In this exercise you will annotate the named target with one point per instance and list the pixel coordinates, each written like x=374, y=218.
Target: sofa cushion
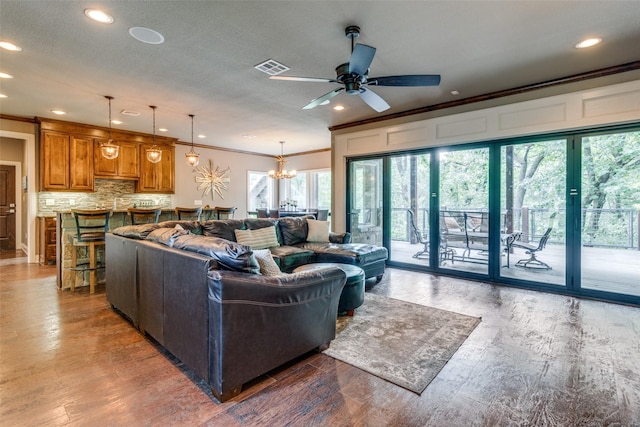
x=139, y=232
x=228, y=254
x=166, y=236
x=349, y=253
x=223, y=228
x=261, y=238
x=294, y=229
x=268, y=266
x=290, y=257
x=318, y=231
x=192, y=226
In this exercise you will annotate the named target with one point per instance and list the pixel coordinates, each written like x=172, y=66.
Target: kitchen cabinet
x=157, y=177
x=125, y=166
x=67, y=161
x=48, y=240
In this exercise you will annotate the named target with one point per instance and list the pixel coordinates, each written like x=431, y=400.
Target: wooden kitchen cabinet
x=157, y=177
x=48, y=240
x=125, y=166
x=67, y=161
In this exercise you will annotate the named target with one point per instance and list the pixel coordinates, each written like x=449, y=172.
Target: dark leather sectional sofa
x=202, y=298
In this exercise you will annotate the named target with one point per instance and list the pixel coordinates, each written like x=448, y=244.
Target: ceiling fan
x=354, y=76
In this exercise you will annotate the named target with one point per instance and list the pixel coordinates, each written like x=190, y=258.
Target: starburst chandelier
x=282, y=172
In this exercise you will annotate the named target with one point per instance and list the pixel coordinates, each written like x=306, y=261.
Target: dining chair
x=144, y=216
x=322, y=214
x=91, y=227
x=274, y=213
x=262, y=212
x=189, y=213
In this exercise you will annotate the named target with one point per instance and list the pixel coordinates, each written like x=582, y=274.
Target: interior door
x=7, y=207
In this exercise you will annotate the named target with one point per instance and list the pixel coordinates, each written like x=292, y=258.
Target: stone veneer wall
x=106, y=193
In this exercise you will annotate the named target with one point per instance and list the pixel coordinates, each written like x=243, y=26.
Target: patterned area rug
x=401, y=342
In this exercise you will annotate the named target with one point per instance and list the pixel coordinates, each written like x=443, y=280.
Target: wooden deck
x=603, y=269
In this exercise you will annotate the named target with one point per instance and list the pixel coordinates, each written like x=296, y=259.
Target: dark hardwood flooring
x=535, y=359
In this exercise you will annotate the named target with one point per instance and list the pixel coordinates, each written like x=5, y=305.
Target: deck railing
x=616, y=228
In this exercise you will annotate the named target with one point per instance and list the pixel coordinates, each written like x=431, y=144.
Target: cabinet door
x=129, y=160
x=148, y=181
x=166, y=171
x=54, y=160
x=81, y=163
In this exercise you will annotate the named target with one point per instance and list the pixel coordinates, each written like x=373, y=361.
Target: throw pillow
x=261, y=238
x=268, y=266
x=318, y=231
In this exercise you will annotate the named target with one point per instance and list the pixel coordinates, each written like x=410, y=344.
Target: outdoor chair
x=531, y=249
x=422, y=236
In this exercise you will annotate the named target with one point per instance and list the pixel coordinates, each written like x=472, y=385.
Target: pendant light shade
x=154, y=154
x=109, y=150
x=193, y=158
x=282, y=172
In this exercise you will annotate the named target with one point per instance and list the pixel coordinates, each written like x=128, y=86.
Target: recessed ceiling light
x=116, y=122
x=10, y=46
x=455, y=92
x=201, y=136
x=98, y=16
x=163, y=129
x=246, y=135
x=2, y=95
x=338, y=108
x=130, y=113
x=5, y=76
x=146, y=35
x=588, y=42
x=58, y=112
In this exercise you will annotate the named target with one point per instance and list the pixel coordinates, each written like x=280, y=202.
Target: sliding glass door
x=409, y=199
x=610, y=200
x=532, y=208
x=365, y=202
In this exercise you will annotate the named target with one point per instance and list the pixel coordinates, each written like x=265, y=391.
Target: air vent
x=129, y=113
x=271, y=67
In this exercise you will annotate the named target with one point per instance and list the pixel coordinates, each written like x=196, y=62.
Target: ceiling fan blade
x=373, y=100
x=303, y=79
x=408, y=80
x=361, y=58
x=323, y=98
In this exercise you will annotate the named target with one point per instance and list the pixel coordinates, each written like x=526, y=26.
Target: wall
x=613, y=104
x=240, y=164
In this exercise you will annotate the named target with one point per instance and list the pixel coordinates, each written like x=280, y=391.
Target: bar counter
x=66, y=231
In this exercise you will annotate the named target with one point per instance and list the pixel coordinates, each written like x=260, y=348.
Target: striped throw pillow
x=262, y=238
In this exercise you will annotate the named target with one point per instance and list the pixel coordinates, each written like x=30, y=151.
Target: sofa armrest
x=257, y=323
x=340, y=237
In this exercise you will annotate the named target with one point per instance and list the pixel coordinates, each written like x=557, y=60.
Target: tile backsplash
x=108, y=193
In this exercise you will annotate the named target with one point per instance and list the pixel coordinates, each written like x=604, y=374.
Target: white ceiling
x=205, y=66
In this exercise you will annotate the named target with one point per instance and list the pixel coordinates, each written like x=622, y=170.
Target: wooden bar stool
x=224, y=213
x=189, y=213
x=144, y=216
x=91, y=227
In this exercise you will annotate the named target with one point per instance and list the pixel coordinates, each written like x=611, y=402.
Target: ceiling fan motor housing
x=351, y=81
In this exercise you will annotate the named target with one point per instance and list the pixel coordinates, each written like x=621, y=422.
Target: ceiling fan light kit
x=354, y=77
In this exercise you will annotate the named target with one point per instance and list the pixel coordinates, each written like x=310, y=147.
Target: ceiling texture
x=206, y=64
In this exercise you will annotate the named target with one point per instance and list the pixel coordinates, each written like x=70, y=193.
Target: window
x=309, y=189
x=260, y=192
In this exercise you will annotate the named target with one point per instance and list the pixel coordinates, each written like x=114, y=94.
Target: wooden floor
x=535, y=359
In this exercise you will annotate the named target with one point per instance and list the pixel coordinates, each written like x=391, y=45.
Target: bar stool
x=189, y=213
x=144, y=216
x=224, y=213
x=91, y=227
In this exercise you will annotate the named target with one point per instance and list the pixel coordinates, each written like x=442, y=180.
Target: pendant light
x=193, y=158
x=154, y=154
x=281, y=172
x=109, y=150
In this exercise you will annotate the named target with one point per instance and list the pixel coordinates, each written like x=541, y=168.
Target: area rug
x=401, y=342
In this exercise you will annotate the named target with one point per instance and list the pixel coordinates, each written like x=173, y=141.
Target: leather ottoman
x=352, y=295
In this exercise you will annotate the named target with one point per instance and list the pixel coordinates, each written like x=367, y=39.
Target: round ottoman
x=352, y=295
